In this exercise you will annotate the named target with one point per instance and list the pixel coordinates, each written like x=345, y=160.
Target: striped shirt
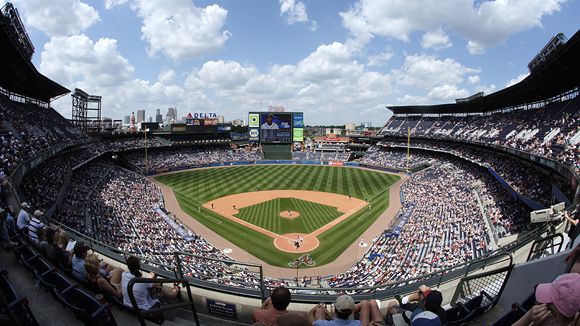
x=33, y=227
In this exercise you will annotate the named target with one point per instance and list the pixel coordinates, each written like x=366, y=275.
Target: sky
x=338, y=61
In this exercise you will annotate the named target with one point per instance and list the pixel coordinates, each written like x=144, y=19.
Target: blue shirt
x=78, y=269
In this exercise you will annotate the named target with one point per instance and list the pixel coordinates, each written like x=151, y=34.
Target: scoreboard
x=276, y=127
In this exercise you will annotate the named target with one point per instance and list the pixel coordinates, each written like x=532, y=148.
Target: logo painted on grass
x=304, y=259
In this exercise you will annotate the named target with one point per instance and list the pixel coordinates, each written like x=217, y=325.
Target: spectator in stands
x=574, y=228
x=110, y=286
x=78, y=262
x=344, y=311
x=273, y=307
x=63, y=257
x=142, y=291
x=34, y=227
x=23, y=218
x=426, y=299
x=48, y=245
x=558, y=302
x=4, y=230
x=291, y=319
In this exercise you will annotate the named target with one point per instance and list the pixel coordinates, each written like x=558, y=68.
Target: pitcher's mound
x=296, y=242
x=289, y=214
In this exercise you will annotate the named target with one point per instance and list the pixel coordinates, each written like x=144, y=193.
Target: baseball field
x=279, y=213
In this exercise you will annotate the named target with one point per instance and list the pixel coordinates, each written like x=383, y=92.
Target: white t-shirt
x=140, y=291
x=23, y=219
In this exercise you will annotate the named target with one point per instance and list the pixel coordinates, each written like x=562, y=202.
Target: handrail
x=545, y=244
x=377, y=291
x=140, y=313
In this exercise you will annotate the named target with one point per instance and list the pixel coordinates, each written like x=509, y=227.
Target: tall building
x=158, y=116
x=127, y=119
x=140, y=116
x=171, y=115
x=149, y=118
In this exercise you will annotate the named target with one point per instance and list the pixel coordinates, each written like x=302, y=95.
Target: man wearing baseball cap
x=23, y=218
x=344, y=308
x=559, y=302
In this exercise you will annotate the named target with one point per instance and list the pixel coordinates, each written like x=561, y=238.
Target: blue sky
x=338, y=61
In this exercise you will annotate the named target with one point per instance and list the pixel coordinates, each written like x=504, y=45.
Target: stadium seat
x=86, y=308
x=13, y=304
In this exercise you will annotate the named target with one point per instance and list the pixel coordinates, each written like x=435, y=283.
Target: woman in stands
x=101, y=284
x=142, y=291
x=557, y=303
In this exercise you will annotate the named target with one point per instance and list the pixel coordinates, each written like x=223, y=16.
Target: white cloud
x=482, y=25
x=326, y=81
x=378, y=59
x=225, y=75
x=473, y=79
x=426, y=72
x=58, y=17
x=166, y=75
x=295, y=12
x=329, y=61
x=109, y=4
x=98, y=68
x=436, y=40
x=516, y=80
x=179, y=29
x=447, y=92
x=67, y=59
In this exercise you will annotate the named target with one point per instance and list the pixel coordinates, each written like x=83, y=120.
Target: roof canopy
x=560, y=73
x=19, y=75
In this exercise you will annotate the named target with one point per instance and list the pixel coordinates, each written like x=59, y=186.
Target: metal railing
x=141, y=313
x=540, y=246
x=309, y=294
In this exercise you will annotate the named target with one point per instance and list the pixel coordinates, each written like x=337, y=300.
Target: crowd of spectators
x=28, y=129
x=42, y=185
x=525, y=178
x=171, y=158
x=122, y=209
x=394, y=158
x=552, y=131
x=444, y=229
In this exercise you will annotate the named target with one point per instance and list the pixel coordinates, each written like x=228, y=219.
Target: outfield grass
x=193, y=188
x=266, y=215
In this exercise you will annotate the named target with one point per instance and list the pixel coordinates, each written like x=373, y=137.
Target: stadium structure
x=477, y=198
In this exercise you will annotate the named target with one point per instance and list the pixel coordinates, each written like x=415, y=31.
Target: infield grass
x=266, y=215
x=195, y=187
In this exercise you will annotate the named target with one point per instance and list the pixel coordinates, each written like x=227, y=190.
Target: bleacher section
x=552, y=131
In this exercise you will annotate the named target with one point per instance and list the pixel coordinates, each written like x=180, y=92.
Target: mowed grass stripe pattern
x=207, y=184
x=195, y=187
x=266, y=215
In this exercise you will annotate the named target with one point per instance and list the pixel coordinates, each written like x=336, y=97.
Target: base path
x=228, y=206
x=343, y=262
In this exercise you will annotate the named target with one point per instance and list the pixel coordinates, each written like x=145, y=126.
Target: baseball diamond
x=244, y=204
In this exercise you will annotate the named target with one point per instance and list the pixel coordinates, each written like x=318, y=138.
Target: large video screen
x=275, y=128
